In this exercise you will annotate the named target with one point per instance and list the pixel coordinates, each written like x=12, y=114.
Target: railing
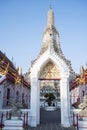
x=7, y=116
x=1, y=121
x=25, y=119
x=75, y=121
x=79, y=122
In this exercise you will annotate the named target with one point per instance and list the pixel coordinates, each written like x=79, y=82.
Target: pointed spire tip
x=50, y=16
x=50, y=6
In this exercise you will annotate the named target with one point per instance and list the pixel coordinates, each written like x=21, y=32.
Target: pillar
x=65, y=102
x=34, y=102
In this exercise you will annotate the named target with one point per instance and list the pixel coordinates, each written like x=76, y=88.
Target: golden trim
x=18, y=80
x=81, y=80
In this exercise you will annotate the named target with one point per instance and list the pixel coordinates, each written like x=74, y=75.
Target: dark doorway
x=50, y=116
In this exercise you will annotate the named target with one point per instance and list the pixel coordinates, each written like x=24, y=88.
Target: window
x=8, y=96
x=23, y=101
x=83, y=93
x=17, y=93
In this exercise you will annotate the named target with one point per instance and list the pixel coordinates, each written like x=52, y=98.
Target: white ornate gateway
x=50, y=64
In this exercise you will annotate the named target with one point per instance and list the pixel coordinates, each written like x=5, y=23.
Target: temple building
x=12, y=84
x=78, y=88
x=50, y=72
x=50, y=75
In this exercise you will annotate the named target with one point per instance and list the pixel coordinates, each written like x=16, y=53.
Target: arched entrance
x=36, y=72
x=49, y=78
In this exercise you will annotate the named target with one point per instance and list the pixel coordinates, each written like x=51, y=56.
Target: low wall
x=80, y=122
x=50, y=108
x=24, y=111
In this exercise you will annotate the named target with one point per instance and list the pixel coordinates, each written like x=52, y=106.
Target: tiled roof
x=9, y=71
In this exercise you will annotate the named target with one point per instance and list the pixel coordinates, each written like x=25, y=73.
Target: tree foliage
x=49, y=98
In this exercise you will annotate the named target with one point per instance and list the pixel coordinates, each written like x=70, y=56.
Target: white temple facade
x=50, y=64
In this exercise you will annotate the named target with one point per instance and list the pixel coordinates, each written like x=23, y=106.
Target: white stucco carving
x=50, y=52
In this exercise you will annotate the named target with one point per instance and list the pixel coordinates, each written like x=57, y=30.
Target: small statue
x=16, y=108
x=83, y=107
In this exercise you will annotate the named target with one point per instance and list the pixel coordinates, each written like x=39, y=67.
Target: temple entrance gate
x=36, y=73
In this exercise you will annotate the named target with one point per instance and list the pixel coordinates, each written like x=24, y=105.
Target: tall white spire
x=51, y=42
x=50, y=17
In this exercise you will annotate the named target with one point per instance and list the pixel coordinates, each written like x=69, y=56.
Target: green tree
x=49, y=98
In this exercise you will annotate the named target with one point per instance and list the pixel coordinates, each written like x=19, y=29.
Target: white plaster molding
x=64, y=87
x=49, y=55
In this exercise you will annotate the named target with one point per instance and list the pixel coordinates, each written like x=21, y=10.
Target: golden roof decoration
x=81, y=80
x=8, y=69
x=18, y=80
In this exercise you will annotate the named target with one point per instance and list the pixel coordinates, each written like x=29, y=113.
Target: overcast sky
x=22, y=24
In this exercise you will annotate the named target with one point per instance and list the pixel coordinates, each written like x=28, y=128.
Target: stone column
x=65, y=102
x=1, y=96
x=34, y=102
x=38, y=102
x=0, y=100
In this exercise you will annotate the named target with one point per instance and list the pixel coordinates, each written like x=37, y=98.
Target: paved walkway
x=50, y=121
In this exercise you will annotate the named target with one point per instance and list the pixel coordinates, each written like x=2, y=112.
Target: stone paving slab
x=50, y=126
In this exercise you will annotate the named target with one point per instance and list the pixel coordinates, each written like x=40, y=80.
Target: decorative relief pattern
x=15, y=90
x=50, y=71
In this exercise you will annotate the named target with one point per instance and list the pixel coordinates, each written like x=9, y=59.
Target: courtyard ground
x=50, y=120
